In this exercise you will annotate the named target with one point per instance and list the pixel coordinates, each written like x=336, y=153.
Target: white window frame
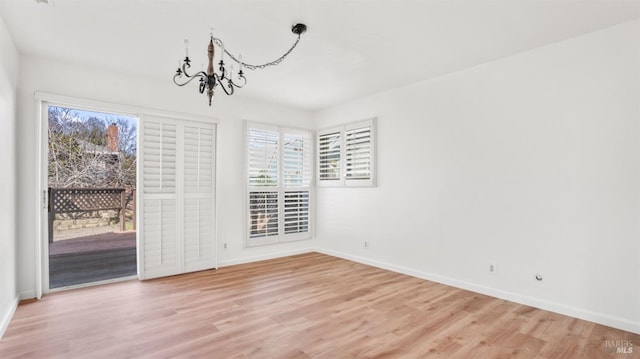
x=280, y=188
x=343, y=181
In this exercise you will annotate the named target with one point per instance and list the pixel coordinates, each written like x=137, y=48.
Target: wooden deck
x=92, y=258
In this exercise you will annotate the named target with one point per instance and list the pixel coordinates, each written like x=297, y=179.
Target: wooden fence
x=79, y=200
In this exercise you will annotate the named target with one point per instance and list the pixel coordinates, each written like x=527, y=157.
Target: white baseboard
x=7, y=314
x=611, y=321
x=29, y=294
x=234, y=261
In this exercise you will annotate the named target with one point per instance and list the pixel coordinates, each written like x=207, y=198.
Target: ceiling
x=352, y=47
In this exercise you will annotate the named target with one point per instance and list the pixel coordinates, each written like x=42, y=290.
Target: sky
x=108, y=116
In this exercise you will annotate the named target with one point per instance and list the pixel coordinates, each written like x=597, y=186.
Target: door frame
x=42, y=248
x=43, y=100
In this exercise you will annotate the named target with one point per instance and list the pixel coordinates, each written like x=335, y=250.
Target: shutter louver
x=329, y=151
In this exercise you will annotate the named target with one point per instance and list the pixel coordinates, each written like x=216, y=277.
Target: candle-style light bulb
x=240, y=62
x=230, y=71
x=186, y=48
x=221, y=51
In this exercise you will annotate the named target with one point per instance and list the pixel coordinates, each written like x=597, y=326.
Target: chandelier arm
x=198, y=75
x=231, y=88
x=187, y=65
x=239, y=86
x=254, y=67
x=222, y=85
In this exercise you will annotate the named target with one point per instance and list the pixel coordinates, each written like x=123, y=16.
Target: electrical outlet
x=366, y=244
x=492, y=268
x=225, y=246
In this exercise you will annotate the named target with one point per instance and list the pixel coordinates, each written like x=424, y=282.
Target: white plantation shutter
x=279, y=173
x=159, y=157
x=346, y=155
x=198, y=197
x=329, y=156
x=178, y=197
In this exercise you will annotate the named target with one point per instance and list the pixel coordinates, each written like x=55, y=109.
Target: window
x=346, y=155
x=278, y=184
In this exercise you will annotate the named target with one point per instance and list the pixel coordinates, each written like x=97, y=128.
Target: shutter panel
x=199, y=217
x=160, y=237
x=358, y=152
x=329, y=156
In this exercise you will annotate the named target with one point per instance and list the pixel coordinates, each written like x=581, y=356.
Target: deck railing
x=82, y=200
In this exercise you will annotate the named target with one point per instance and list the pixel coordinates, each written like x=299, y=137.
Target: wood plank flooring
x=305, y=306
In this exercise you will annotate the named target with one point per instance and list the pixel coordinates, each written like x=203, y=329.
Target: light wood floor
x=310, y=305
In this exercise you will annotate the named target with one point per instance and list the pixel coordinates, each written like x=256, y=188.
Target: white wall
x=48, y=76
x=531, y=162
x=8, y=183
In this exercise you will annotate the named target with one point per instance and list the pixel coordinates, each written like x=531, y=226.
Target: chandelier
x=209, y=80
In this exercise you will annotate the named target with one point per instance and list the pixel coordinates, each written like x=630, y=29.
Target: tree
x=78, y=156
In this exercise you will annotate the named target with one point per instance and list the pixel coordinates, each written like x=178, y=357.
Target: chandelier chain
x=253, y=67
